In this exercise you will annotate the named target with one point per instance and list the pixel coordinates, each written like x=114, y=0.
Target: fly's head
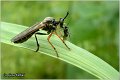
x=63, y=27
x=61, y=21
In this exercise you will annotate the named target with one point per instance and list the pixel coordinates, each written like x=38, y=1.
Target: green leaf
x=76, y=56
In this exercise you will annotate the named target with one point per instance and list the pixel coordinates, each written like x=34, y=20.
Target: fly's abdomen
x=21, y=39
x=25, y=35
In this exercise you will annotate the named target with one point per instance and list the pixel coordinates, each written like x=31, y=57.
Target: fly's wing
x=26, y=34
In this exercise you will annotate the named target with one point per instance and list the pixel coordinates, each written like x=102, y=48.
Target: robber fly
x=49, y=24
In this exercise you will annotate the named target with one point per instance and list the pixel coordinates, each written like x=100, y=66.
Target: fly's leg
x=51, y=43
x=62, y=41
x=37, y=43
x=37, y=39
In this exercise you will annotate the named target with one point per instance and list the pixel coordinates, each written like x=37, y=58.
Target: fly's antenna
x=66, y=16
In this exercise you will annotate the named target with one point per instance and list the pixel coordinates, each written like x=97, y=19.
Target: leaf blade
x=76, y=56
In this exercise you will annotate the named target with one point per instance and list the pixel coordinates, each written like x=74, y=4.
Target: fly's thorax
x=49, y=27
x=48, y=20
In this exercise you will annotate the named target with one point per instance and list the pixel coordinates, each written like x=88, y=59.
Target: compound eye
x=61, y=19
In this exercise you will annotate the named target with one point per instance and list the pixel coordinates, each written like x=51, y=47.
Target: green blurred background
x=93, y=26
